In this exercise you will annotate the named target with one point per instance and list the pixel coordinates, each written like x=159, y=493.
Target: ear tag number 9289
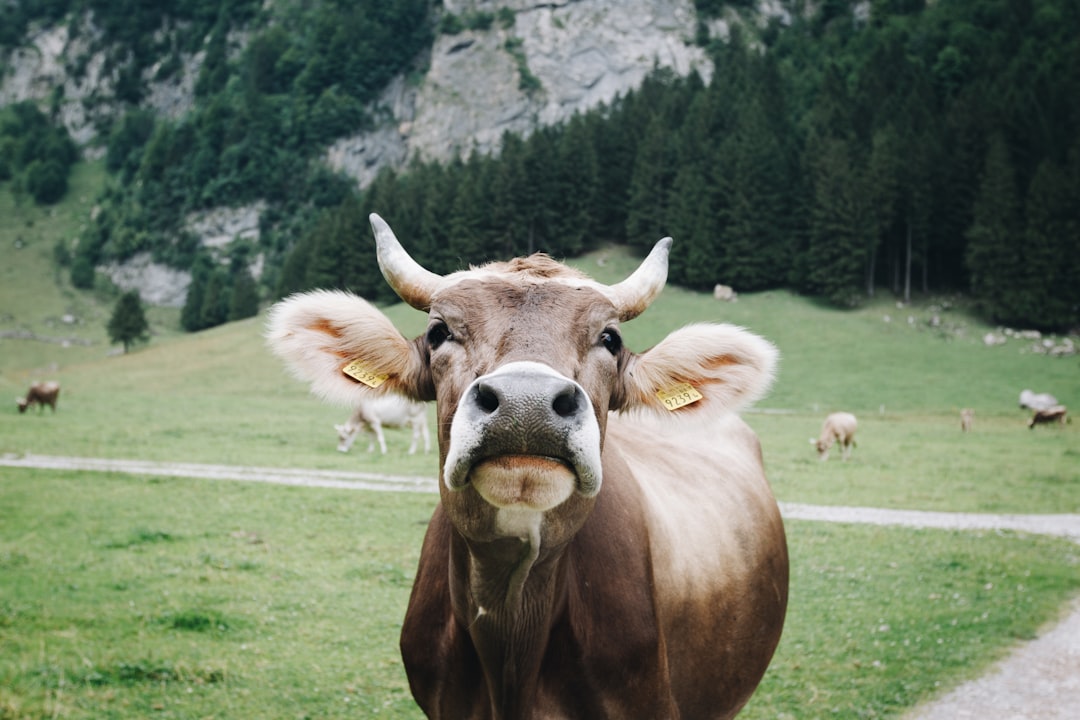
x=679, y=396
x=360, y=372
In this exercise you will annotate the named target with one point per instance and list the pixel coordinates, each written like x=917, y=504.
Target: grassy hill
x=219, y=396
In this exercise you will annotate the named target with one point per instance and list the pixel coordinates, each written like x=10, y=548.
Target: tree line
x=916, y=149
x=894, y=145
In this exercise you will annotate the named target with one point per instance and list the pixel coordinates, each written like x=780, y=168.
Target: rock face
x=557, y=58
x=554, y=59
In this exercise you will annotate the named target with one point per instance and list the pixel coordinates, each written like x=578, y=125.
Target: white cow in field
x=391, y=411
x=1037, y=401
x=838, y=427
x=967, y=419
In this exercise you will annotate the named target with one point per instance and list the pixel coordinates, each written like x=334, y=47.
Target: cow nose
x=528, y=410
x=509, y=393
x=525, y=408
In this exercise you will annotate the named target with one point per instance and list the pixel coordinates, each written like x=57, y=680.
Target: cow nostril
x=487, y=399
x=566, y=403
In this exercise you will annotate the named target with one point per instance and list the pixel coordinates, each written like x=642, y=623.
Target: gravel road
x=1040, y=679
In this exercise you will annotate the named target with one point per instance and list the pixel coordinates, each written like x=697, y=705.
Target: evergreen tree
x=243, y=293
x=576, y=183
x=215, y=305
x=128, y=322
x=650, y=183
x=1047, y=284
x=191, y=317
x=993, y=255
x=756, y=248
x=839, y=223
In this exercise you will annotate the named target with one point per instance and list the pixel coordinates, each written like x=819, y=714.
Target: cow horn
x=411, y=281
x=635, y=293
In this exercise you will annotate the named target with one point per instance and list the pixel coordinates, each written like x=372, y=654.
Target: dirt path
x=1040, y=679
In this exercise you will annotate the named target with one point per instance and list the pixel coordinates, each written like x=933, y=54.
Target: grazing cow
x=42, y=393
x=838, y=427
x=967, y=419
x=1049, y=415
x=606, y=544
x=1037, y=401
x=372, y=414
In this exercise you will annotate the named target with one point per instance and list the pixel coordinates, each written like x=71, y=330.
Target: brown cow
x=606, y=545
x=838, y=427
x=1055, y=414
x=42, y=393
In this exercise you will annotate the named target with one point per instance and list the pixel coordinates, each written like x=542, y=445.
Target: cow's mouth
x=536, y=482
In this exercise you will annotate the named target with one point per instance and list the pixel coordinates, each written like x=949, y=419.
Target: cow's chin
x=528, y=482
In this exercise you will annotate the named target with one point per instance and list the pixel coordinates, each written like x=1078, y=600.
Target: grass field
x=130, y=597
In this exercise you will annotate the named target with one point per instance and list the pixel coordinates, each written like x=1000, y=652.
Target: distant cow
x=967, y=418
x=1047, y=416
x=42, y=393
x=838, y=427
x=389, y=410
x=1037, y=401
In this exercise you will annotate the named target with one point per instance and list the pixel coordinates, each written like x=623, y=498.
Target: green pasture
x=131, y=597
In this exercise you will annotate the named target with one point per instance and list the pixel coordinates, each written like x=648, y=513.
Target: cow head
x=346, y=434
x=525, y=359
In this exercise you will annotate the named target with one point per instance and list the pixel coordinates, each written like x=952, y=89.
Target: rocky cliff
x=538, y=63
x=554, y=59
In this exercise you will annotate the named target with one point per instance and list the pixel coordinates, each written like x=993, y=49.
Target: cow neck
x=512, y=597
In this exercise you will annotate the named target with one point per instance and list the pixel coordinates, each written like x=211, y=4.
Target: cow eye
x=438, y=333
x=611, y=339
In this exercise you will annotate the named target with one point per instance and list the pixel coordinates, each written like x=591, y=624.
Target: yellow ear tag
x=357, y=370
x=679, y=396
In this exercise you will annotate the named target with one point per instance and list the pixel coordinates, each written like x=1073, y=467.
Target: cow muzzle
x=525, y=436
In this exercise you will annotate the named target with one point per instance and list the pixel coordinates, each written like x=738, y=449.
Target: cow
x=838, y=427
x=606, y=543
x=41, y=393
x=1037, y=401
x=967, y=419
x=372, y=414
x=1053, y=414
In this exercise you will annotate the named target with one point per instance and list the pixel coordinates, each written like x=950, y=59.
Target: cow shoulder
x=319, y=334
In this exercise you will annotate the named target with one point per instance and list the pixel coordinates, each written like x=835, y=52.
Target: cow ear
x=345, y=348
x=699, y=371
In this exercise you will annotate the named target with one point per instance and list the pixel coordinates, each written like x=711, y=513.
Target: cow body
x=372, y=414
x=42, y=394
x=1055, y=414
x=1037, y=401
x=606, y=545
x=967, y=419
x=839, y=427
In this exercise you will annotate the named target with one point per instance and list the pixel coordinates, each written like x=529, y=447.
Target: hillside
x=219, y=395
x=841, y=152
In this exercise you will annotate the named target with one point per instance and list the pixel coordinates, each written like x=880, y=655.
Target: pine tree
x=128, y=322
x=191, y=318
x=993, y=254
x=576, y=184
x=1046, y=286
x=244, y=296
x=650, y=183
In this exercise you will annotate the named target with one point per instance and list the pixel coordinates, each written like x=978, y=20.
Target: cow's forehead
x=494, y=298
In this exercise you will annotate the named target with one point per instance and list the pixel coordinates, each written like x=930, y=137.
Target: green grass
x=128, y=597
